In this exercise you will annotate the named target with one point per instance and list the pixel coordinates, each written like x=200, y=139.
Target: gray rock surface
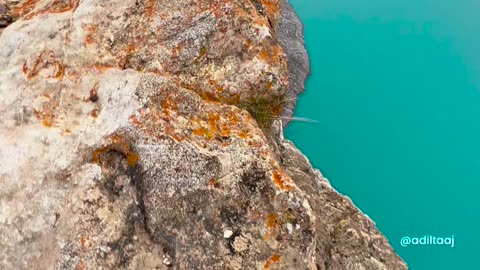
x=125, y=145
x=290, y=36
x=5, y=17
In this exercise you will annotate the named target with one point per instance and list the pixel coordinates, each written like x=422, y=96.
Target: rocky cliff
x=147, y=134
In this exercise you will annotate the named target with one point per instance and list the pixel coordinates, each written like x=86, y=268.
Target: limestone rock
x=5, y=15
x=128, y=142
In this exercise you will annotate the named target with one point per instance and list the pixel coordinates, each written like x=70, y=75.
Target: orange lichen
x=175, y=134
x=47, y=119
x=213, y=183
x=272, y=221
x=72, y=73
x=200, y=131
x=264, y=154
x=249, y=43
x=168, y=105
x=25, y=68
x=134, y=120
x=150, y=8
x=176, y=51
x=118, y=144
x=23, y=9
x=60, y=71
x=269, y=85
x=232, y=118
x=282, y=180
x=273, y=259
x=56, y=6
x=276, y=54
x=131, y=48
x=102, y=66
x=234, y=100
x=82, y=241
x=256, y=144
x=90, y=37
x=242, y=135
x=132, y=159
x=225, y=132
x=187, y=86
x=81, y=265
x=216, y=8
x=94, y=113
x=217, y=87
x=271, y=9
x=125, y=55
x=30, y=73
x=209, y=96
x=264, y=55
x=271, y=53
x=60, y=6
x=212, y=121
x=97, y=152
x=45, y=60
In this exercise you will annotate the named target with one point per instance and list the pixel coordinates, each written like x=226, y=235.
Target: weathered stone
x=124, y=145
x=5, y=17
x=290, y=36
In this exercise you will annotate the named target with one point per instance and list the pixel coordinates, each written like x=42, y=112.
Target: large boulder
x=147, y=134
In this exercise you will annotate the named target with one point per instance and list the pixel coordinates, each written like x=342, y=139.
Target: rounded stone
x=227, y=234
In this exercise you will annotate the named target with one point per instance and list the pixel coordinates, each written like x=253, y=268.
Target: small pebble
x=289, y=228
x=227, y=234
x=167, y=261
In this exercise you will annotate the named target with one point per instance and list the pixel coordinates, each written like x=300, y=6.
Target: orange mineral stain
x=273, y=259
x=150, y=8
x=119, y=145
x=82, y=241
x=132, y=159
x=281, y=180
x=25, y=8
x=264, y=55
x=272, y=221
x=90, y=37
x=81, y=265
x=200, y=131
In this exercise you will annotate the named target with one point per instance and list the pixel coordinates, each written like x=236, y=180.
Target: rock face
x=290, y=36
x=5, y=16
x=146, y=134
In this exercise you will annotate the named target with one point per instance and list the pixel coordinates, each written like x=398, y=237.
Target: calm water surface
x=395, y=86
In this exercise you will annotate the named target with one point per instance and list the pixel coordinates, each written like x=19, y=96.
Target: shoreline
x=290, y=35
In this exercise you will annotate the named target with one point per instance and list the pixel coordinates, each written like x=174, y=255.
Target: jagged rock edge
x=291, y=38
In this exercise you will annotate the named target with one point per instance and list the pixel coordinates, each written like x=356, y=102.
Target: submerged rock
x=147, y=135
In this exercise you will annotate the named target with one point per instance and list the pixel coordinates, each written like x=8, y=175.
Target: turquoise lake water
x=395, y=86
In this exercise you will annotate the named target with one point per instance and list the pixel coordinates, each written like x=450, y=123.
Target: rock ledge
x=145, y=134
